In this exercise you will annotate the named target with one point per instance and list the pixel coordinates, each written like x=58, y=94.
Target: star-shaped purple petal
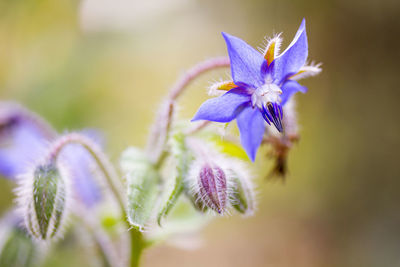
x=294, y=57
x=252, y=127
x=245, y=62
x=289, y=88
x=224, y=108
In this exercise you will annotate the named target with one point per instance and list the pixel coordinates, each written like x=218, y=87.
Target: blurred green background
x=107, y=64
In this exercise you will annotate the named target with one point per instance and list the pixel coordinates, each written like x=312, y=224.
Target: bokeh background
x=107, y=64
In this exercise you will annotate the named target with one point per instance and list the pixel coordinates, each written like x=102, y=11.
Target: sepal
x=142, y=183
x=183, y=158
x=242, y=197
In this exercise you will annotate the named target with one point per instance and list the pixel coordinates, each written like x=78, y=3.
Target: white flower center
x=269, y=92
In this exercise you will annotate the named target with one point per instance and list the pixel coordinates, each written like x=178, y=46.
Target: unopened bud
x=43, y=200
x=195, y=198
x=218, y=182
x=212, y=184
x=242, y=193
x=209, y=186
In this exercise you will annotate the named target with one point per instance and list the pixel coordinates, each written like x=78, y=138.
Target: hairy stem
x=162, y=126
x=197, y=127
x=100, y=158
x=209, y=64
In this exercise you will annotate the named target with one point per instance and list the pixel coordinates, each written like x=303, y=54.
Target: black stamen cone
x=272, y=113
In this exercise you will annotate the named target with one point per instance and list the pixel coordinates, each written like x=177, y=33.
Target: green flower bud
x=43, y=199
x=242, y=193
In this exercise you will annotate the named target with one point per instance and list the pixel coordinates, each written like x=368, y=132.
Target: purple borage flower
x=262, y=84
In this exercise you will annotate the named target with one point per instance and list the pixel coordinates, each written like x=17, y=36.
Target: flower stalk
x=104, y=164
x=161, y=128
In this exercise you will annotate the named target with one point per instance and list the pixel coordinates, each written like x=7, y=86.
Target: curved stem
x=101, y=160
x=197, y=127
x=161, y=128
x=209, y=64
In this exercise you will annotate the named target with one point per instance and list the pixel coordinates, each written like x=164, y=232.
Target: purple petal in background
x=83, y=170
x=252, y=127
x=21, y=145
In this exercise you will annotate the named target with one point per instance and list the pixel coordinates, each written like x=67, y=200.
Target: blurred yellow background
x=107, y=64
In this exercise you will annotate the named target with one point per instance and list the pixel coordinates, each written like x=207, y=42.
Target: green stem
x=137, y=246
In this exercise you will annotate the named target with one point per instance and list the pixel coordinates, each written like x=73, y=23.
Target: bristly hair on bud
x=43, y=199
x=219, y=183
x=213, y=188
x=208, y=185
x=242, y=196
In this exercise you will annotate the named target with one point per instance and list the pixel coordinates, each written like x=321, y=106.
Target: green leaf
x=175, y=187
x=142, y=180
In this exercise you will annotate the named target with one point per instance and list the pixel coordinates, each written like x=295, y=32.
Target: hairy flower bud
x=241, y=192
x=43, y=199
x=218, y=182
x=208, y=186
x=212, y=184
